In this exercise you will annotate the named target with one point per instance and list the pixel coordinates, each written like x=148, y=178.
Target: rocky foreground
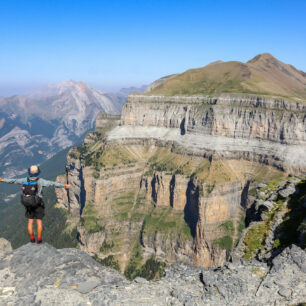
x=43, y=275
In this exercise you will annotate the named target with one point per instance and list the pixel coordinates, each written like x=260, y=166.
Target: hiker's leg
x=30, y=226
x=39, y=228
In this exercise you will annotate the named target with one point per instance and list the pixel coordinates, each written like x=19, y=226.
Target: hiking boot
x=32, y=239
x=39, y=241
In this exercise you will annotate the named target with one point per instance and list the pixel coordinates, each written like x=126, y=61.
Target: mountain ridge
x=34, y=128
x=262, y=75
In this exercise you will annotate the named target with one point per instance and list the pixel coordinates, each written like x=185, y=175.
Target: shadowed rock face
x=41, y=274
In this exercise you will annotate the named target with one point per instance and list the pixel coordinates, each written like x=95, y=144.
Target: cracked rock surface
x=43, y=275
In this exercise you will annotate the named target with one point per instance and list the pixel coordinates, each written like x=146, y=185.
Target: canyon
x=171, y=177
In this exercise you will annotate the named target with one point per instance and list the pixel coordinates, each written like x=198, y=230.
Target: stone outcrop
x=276, y=217
x=5, y=247
x=41, y=274
x=245, y=126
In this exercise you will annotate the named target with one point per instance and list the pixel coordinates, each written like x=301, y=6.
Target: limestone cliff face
x=173, y=216
x=242, y=126
x=172, y=179
x=204, y=211
x=235, y=116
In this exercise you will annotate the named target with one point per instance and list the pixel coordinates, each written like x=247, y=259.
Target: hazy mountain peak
x=58, y=89
x=52, y=118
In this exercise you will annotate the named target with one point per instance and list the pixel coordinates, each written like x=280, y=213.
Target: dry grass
x=262, y=76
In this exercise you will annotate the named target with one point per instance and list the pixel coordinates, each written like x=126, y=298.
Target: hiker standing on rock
x=31, y=198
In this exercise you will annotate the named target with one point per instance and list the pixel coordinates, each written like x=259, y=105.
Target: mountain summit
x=62, y=88
x=48, y=120
x=262, y=75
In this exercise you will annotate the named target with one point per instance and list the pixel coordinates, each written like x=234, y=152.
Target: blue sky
x=114, y=44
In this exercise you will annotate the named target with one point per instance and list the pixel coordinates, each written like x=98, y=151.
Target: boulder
x=286, y=192
x=5, y=246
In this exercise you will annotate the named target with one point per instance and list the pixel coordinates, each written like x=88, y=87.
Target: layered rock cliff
x=172, y=179
x=171, y=201
x=246, y=127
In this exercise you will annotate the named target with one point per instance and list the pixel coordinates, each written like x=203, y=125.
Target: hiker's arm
x=46, y=183
x=18, y=181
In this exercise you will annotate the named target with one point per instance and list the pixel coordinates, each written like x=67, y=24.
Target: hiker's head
x=34, y=171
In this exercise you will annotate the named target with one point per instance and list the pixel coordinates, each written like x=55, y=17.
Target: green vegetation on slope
x=90, y=219
x=255, y=237
x=151, y=269
x=166, y=221
x=293, y=228
x=226, y=242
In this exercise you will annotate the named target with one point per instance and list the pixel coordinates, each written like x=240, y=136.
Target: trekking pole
x=67, y=182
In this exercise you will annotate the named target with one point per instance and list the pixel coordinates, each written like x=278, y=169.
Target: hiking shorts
x=37, y=212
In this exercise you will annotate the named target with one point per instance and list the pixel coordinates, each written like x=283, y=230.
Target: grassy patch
x=254, y=239
x=127, y=197
x=293, y=228
x=137, y=216
x=132, y=269
x=90, y=219
x=214, y=172
x=241, y=227
x=117, y=155
x=164, y=160
x=253, y=192
x=165, y=220
x=272, y=185
x=228, y=226
x=74, y=153
x=121, y=216
x=225, y=242
x=106, y=246
x=152, y=269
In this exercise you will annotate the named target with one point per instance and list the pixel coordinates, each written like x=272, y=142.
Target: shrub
x=109, y=261
x=225, y=242
x=152, y=269
x=106, y=246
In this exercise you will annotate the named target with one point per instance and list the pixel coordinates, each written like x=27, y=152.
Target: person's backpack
x=29, y=196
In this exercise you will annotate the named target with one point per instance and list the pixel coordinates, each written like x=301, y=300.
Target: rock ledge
x=41, y=274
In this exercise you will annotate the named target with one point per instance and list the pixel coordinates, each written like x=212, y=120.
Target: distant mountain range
x=262, y=75
x=35, y=127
